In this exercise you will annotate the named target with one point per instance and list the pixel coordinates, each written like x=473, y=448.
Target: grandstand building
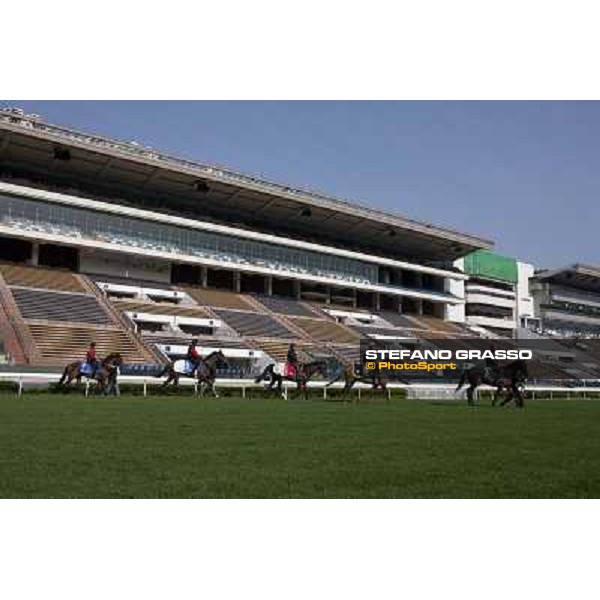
x=140, y=251
x=567, y=300
x=497, y=295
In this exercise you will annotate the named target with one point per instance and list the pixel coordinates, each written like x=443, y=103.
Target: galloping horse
x=510, y=377
x=205, y=372
x=304, y=372
x=104, y=372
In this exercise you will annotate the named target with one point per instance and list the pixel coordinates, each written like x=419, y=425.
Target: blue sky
x=525, y=174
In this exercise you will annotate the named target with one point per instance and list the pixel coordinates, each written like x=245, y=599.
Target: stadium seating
x=254, y=324
x=218, y=298
x=41, y=278
x=59, y=306
x=60, y=344
x=159, y=308
x=287, y=306
x=326, y=331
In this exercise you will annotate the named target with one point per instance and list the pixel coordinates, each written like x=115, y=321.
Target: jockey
x=491, y=365
x=193, y=355
x=292, y=361
x=91, y=359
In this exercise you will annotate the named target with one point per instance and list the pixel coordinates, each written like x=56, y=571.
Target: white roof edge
x=140, y=154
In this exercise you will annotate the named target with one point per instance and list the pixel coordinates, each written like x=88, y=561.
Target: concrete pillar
x=35, y=254
x=297, y=289
x=376, y=301
x=269, y=285
x=419, y=306
x=203, y=276
x=237, y=282
x=354, y=298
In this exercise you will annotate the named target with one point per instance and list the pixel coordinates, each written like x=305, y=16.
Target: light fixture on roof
x=63, y=154
x=201, y=186
x=306, y=212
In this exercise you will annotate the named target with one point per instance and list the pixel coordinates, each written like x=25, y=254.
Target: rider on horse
x=291, y=367
x=91, y=359
x=193, y=355
x=491, y=368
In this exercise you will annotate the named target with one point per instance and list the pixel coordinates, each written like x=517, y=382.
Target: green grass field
x=179, y=447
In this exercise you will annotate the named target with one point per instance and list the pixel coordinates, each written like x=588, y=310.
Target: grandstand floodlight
x=62, y=154
x=201, y=186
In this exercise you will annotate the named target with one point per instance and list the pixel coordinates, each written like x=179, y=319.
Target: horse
x=105, y=371
x=511, y=377
x=304, y=372
x=350, y=376
x=204, y=373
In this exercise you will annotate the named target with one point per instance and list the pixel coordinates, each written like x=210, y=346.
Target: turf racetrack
x=68, y=446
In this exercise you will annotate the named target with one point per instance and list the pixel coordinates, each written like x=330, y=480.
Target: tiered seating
x=436, y=324
x=326, y=331
x=399, y=320
x=286, y=306
x=254, y=324
x=348, y=354
x=60, y=344
x=409, y=333
x=58, y=306
x=218, y=298
x=37, y=277
x=159, y=308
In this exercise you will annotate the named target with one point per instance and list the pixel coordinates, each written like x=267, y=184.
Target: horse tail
x=461, y=382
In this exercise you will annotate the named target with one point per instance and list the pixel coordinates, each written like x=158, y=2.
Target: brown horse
x=103, y=373
x=350, y=376
x=304, y=372
x=204, y=374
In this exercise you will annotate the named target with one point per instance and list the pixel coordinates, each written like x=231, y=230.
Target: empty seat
x=58, y=306
x=38, y=277
x=326, y=331
x=61, y=344
x=254, y=324
x=286, y=306
x=218, y=298
x=124, y=305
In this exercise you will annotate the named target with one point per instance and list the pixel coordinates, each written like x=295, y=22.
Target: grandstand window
x=33, y=215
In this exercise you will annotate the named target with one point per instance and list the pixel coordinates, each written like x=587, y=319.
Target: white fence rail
x=418, y=391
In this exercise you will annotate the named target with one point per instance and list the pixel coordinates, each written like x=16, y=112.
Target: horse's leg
x=519, y=400
x=470, y=391
x=213, y=388
x=499, y=390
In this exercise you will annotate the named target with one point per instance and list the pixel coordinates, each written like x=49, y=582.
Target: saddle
x=85, y=369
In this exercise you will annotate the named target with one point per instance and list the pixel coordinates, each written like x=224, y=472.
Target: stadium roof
x=577, y=275
x=31, y=146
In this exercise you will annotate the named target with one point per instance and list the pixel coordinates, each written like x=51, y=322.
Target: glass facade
x=38, y=216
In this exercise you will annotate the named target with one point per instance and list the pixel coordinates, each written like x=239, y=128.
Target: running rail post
x=87, y=388
x=20, y=389
x=145, y=388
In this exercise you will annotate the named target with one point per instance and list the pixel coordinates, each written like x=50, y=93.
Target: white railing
x=416, y=391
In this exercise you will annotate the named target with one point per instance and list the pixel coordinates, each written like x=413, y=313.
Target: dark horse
x=304, y=372
x=204, y=374
x=106, y=370
x=510, y=377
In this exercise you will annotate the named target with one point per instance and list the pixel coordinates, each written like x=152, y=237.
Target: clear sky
x=524, y=174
